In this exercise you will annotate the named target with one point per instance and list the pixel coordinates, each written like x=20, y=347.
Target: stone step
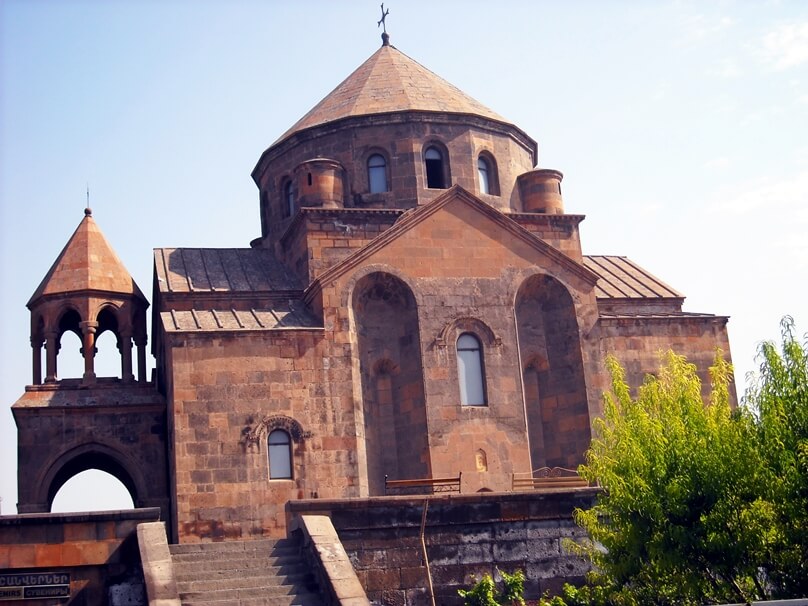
x=224, y=546
x=274, y=595
x=214, y=581
x=204, y=569
x=224, y=555
x=303, y=600
x=190, y=560
x=243, y=573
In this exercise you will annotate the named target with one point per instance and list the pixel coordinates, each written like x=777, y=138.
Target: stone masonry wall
x=466, y=536
x=638, y=342
x=230, y=386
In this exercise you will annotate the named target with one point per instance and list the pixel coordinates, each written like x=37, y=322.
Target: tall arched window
x=377, y=174
x=279, y=451
x=435, y=172
x=288, y=199
x=484, y=172
x=487, y=174
x=470, y=370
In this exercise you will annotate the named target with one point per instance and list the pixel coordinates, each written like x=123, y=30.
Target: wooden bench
x=548, y=478
x=423, y=485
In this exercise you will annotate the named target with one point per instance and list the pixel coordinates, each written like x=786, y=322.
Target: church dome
x=389, y=82
x=395, y=135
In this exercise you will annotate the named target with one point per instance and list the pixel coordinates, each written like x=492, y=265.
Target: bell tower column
x=88, y=330
x=140, y=341
x=36, y=346
x=126, y=357
x=51, y=351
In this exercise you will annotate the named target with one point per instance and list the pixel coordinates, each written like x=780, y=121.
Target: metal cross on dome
x=382, y=20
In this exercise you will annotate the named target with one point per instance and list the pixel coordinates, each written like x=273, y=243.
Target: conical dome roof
x=87, y=263
x=390, y=81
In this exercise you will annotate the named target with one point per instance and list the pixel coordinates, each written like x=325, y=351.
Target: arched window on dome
x=279, y=452
x=377, y=174
x=288, y=199
x=435, y=165
x=470, y=370
x=487, y=174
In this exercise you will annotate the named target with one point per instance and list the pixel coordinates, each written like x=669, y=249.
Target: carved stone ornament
x=467, y=324
x=256, y=431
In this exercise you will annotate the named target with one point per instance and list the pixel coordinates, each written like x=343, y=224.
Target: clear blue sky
x=681, y=128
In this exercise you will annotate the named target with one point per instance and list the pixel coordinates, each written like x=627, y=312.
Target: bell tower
x=66, y=425
x=88, y=291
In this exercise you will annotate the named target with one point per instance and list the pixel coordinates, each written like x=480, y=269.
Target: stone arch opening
x=393, y=397
x=69, y=351
x=91, y=456
x=108, y=342
x=553, y=374
x=105, y=491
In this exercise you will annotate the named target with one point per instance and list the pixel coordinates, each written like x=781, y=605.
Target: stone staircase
x=244, y=573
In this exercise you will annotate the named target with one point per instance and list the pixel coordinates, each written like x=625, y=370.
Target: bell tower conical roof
x=390, y=81
x=87, y=263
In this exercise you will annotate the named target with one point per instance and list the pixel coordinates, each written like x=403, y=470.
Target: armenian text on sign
x=33, y=586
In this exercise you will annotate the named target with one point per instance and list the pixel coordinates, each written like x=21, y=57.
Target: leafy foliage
x=484, y=591
x=482, y=594
x=779, y=400
x=513, y=588
x=701, y=503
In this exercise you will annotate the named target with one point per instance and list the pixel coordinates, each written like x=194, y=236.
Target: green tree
x=672, y=524
x=700, y=503
x=779, y=400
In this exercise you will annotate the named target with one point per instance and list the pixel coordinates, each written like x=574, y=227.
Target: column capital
x=88, y=327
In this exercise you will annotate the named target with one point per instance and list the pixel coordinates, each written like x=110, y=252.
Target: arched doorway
x=553, y=373
x=394, y=404
x=92, y=490
x=98, y=460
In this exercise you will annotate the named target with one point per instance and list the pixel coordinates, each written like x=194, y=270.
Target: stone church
x=417, y=306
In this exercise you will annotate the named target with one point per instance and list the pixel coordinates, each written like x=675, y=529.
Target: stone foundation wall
x=466, y=536
x=98, y=550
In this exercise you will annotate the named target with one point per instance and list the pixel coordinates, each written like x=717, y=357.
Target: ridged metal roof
x=182, y=270
x=621, y=278
x=208, y=320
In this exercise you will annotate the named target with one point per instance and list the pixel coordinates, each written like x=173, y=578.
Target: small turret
x=320, y=183
x=540, y=191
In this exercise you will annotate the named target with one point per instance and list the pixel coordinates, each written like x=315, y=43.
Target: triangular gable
x=414, y=217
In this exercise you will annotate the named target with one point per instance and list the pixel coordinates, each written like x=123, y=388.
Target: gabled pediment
x=450, y=226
